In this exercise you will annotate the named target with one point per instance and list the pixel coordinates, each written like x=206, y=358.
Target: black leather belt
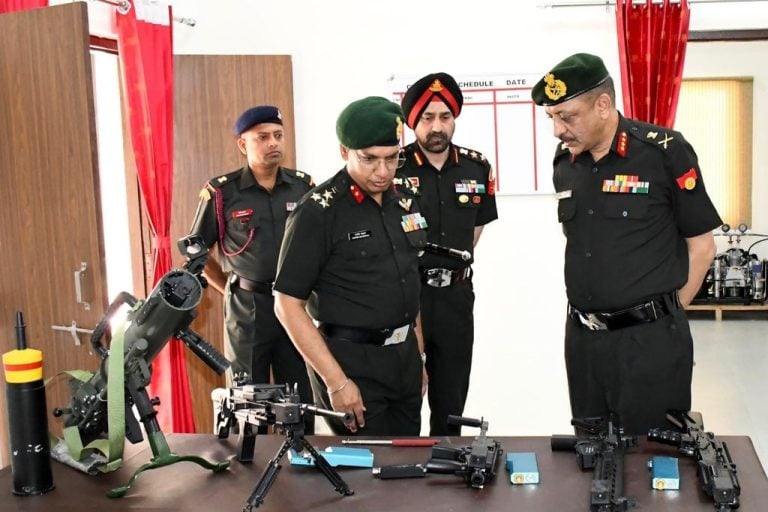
x=643, y=313
x=359, y=335
x=251, y=286
x=443, y=277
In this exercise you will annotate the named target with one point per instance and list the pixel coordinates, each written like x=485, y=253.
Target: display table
x=188, y=487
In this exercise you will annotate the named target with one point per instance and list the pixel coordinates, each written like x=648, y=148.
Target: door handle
x=72, y=329
x=79, y=274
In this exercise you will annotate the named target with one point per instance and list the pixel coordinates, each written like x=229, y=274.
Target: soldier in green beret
x=349, y=261
x=638, y=224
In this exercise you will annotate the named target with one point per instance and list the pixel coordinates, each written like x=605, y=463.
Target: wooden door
x=211, y=91
x=49, y=235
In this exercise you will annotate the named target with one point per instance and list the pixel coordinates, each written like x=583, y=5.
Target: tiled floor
x=730, y=380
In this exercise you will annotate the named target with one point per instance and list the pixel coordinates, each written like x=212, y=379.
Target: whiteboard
x=499, y=120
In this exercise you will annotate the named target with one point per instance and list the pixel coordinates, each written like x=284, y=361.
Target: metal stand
x=161, y=453
x=273, y=468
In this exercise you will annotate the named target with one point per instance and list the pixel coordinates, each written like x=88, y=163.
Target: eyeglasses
x=371, y=163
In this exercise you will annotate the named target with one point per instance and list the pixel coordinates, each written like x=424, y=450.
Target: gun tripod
x=273, y=468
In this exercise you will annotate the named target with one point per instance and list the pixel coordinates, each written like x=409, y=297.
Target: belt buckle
x=438, y=277
x=398, y=335
x=591, y=322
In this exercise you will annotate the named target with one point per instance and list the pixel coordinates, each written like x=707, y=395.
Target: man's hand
x=348, y=398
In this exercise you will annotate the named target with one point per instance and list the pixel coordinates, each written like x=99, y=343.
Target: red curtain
x=652, y=40
x=146, y=57
x=21, y=5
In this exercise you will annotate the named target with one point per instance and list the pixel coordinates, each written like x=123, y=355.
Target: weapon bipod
x=273, y=468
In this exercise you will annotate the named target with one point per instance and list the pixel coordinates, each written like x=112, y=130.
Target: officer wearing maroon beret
x=244, y=214
x=455, y=187
x=349, y=261
x=638, y=224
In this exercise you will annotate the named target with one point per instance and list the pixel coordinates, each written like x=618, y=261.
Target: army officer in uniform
x=456, y=193
x=350, y=256
x=244, y=212
x=638, y=224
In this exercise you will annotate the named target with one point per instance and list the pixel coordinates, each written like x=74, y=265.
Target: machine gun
x=135, y=342
x=603, y=452
x=716, y=469
x=476, y=463
x=256, y=407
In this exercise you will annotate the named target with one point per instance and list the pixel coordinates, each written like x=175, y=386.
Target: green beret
x=371, y=121
x=575, y=75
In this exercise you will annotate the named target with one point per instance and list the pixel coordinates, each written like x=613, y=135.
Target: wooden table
x=188, y=487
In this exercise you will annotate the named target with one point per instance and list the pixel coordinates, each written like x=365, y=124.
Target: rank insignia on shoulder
x=300, y=174
x=652, y=135
x=289, y=207
x=665, y=141
x=688, y=180
x=413, y=222
x=474, y=155
x=323, y=198
x=205, y=194
x=221, y=179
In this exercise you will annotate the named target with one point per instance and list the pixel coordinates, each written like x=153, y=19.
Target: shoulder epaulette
x=306, y=178
x=217, y=182
x=657, y=136
x=325, y=193
x=471, y=154
x=406, y=184
x=561, y=150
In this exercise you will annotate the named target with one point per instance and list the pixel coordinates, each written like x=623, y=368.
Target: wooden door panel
x=50, y=192
x=210, y=92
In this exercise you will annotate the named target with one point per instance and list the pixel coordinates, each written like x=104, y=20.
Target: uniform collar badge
x=621, y=144
x=356, y=193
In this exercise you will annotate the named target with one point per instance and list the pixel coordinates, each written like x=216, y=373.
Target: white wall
x=344, y=50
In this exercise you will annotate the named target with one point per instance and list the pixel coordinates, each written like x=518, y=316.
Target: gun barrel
x=346, y=417
x=461, y=420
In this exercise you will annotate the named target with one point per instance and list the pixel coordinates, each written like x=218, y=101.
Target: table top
x=189, y=487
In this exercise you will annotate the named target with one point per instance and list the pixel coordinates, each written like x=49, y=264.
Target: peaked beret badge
x=555, y=89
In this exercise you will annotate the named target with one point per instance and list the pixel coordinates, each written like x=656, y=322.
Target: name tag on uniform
x=359, y=235
x=289, y=207
x=413, y=222
x=565, y=194
x=239, y=214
